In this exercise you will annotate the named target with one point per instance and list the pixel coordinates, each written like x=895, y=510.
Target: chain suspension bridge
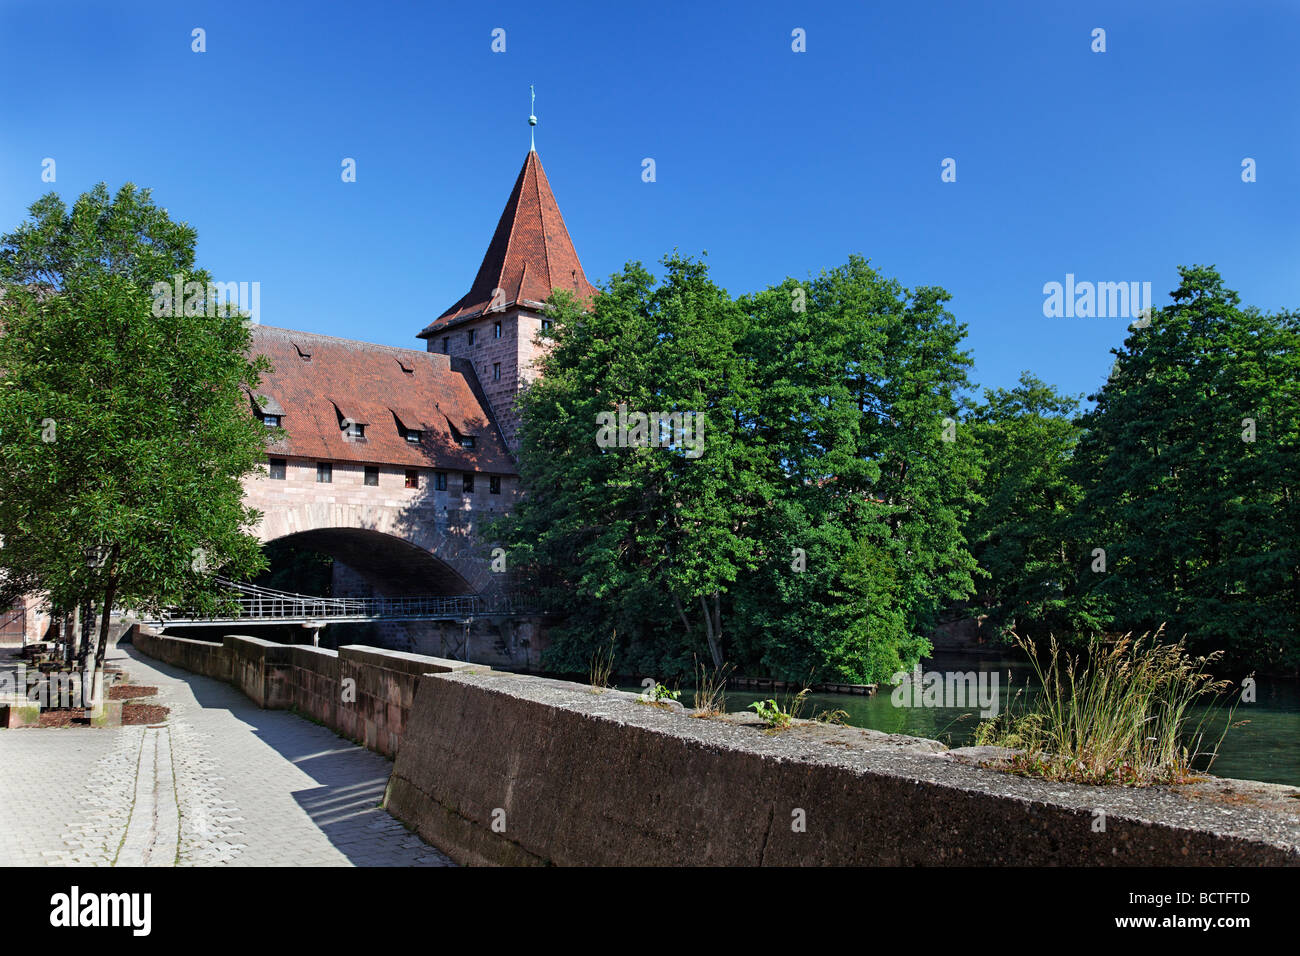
x=253, y=604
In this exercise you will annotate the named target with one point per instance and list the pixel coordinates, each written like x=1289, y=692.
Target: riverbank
x=1262, y=745
x=508, y=768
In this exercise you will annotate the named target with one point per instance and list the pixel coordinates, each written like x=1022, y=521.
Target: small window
x=472, y=333
x=354, y=431
x=271, y=421
x=467, y=484
x=546, y=324
x=496, y=371
x=446, y=345
x=439, y=481
x=413, y=435
x=494, y=485
x=467, y=441
x=496, y=330
x=278, y=469
x=412, y=478
x=372, y=475
x=324, y=473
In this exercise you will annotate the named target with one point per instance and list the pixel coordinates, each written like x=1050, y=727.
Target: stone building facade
x=399, y=512
x=390, y=460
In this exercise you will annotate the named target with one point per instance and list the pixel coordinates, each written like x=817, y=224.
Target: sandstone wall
x=365, y=693
x=497, y=768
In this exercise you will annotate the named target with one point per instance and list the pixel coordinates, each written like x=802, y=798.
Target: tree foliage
x=820, y=530
x=1021, y=535
x=1190, y=466
x=123, y=433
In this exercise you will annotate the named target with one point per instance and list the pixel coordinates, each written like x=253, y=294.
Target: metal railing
x=256, y=603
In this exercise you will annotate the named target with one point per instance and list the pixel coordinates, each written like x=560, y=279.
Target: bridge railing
x=267, y=604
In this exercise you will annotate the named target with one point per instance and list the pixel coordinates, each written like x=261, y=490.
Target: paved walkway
x=219, y=783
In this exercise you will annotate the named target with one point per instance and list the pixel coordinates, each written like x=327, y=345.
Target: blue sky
x=1114, y=166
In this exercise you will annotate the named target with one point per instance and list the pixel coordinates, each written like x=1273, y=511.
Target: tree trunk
x=85, y=640
x=717, y=621
x=68, y=624
x=686, y=624
x=95, y=659
x=714, y=650
x=110, y=594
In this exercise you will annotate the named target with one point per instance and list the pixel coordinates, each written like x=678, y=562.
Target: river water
x=1263, y=744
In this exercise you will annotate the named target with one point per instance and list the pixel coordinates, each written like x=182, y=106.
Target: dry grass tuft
x=1124, y=717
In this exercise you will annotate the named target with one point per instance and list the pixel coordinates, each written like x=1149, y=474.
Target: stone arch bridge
x=392, y=551
x=394, y=547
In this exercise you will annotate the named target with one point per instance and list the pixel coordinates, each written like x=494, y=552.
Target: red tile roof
x=530, y=254
x=367, y=383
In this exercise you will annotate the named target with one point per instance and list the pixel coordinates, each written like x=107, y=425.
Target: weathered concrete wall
x=509, y=769
x=577, y=778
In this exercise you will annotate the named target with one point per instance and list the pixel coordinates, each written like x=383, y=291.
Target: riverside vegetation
x=1124, y=714
x=852, y=488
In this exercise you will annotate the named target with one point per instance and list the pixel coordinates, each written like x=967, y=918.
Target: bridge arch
x=398, y=553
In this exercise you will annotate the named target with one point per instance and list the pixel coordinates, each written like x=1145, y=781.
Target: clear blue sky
x=1116, y=166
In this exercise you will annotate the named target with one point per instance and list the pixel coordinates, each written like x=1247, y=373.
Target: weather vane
x=532, y=120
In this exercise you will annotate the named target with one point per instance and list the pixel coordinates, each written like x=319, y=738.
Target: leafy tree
x=824, y=517
x=856, y=376
x=929, y=467
x=1191, y=468
x=124, y=427
x=642, y=541
x=1021, y=535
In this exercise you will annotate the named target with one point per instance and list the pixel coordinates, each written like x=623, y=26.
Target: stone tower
x=495, y=324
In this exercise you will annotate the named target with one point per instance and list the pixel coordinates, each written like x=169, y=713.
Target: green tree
x=1191, y=468
x=642, y=541
x=820, y=531
x=1021, y=535
x=855, y=378
x=124, y=424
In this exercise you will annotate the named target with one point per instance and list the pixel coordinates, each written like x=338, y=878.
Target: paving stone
x=224, y=783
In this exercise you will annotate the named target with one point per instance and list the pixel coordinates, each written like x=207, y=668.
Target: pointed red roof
x=530, y=254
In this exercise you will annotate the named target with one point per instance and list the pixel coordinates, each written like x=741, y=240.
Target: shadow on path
x=343, y=807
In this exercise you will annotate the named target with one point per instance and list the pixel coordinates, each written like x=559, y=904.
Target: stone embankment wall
x=364, y=693
x=498, y=768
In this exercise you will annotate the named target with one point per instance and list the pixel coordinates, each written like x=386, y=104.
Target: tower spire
x=532, y=121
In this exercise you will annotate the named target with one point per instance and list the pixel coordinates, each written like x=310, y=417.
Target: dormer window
x=351, y=425
x=267, y=410
x=467, y=441
x=413, y=435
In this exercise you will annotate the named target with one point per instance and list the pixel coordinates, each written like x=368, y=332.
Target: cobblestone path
x=220, y=782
